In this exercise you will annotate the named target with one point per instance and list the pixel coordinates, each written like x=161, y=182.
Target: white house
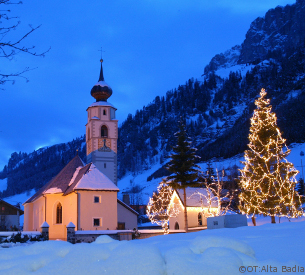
x=197, y=205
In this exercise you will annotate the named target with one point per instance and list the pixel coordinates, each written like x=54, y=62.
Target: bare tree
x=11, y=47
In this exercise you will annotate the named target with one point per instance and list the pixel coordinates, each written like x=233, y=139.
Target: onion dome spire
x=101, y=91
x=101, y=72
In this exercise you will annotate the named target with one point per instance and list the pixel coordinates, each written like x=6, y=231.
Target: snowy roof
x=101, y=103
x=196, y=197
x=102, y=84
x=21, y=212
x=52, y=190
x=76, y=176
x=61, y=181
x=93, y=179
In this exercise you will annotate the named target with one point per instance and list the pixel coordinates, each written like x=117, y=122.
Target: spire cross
x=101, y=50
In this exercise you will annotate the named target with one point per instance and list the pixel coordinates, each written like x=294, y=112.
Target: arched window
x=104, y=112
x=59, y=213
x=104, y=131
x=176, y=225
x=199, y=219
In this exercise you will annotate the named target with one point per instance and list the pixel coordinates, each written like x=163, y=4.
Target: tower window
x=104, y=112
x=104, y=165
x=59, y=213
x=104, y=131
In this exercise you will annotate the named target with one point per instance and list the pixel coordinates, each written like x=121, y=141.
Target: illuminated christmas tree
x=267, y=180
x=158, y=209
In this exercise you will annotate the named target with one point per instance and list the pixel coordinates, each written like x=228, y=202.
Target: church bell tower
x=102, y=130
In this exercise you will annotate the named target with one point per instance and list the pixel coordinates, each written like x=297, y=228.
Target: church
x=85, y=194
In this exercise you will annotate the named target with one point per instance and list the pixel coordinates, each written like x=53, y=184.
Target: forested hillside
x=217, y=107
x=31, y=171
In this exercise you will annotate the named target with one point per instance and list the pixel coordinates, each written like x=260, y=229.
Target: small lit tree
x=159, y=209
x=223, y=197
x=267, y=180
x=215, y=194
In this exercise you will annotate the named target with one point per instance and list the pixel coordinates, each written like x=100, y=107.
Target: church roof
x=76, y=176
x=90, y=178
x=196, y=197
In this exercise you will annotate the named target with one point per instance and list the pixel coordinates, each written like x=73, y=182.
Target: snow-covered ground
x=220, y=251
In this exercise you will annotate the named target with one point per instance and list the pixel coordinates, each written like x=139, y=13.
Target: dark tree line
x=31, y=171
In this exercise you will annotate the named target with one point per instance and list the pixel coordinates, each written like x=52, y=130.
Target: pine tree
x=210, y=175
x=182, y=166
x=267, y=180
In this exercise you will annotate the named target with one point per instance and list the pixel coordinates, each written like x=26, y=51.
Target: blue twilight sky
x=150, y=47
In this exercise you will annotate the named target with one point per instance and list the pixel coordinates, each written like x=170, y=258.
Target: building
x=85, y=194
x=9, y=216
x=198, y=208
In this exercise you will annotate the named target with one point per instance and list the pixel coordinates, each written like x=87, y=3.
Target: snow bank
x=220, y=251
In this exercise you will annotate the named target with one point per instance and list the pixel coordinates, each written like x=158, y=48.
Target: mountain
x=25, y=172
x=279, y=30
x=216, y=106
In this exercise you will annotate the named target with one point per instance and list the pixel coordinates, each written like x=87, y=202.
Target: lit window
x=59, y=213
x=104, y=131
x=96, y=222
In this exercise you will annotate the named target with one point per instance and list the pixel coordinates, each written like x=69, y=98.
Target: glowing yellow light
x=268, y=180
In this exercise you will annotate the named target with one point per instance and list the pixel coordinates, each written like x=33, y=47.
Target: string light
x=215, y=195
x=161, y=206
x=268, y=180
